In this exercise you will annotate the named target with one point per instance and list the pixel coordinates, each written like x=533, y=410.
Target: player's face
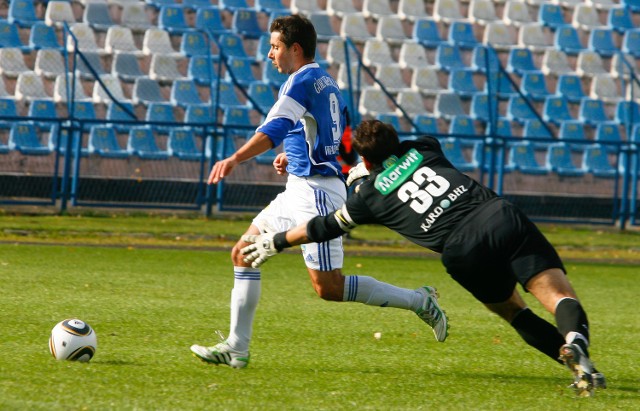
x=281, y=56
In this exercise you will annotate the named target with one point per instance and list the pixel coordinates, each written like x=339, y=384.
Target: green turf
x=149, y=305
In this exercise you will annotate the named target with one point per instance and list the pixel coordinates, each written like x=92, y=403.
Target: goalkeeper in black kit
x=486, y=243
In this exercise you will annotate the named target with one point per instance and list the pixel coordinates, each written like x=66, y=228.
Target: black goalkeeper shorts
x=495, y=247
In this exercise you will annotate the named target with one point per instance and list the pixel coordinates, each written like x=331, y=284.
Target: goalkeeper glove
x=356, y=173
x=260, y=250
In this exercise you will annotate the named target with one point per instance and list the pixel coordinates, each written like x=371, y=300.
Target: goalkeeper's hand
x=260, y=250
x=356, y=173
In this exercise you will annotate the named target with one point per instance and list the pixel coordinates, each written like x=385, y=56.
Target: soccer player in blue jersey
x=308, y=118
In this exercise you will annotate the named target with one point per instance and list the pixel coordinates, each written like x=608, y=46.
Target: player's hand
x=356, y=173
x=261, y=249
x=221, y=169
x=280, y=163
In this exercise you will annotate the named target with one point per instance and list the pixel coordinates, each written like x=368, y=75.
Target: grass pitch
x=149, y=305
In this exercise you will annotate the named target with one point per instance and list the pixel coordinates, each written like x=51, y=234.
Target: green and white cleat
x=432, y=314
x=221, y=353
x=585, y=376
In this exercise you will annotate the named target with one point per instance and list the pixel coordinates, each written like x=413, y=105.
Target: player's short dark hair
x=375, y=141
x=296, y=29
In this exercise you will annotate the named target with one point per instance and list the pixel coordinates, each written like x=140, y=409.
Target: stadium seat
x=596, y=162
x=461, y=34
x=120, y=40
x=262, y=94
x=29, y=86
x=202, y=70
x=426, y=124
x=340, y=8
x=119, y=118
x=631, y=43
x=520, y=61
x=502, y=129
x=604, y=87
x=523, y=159
x=171, y=18
x=519, y=110
x=58, y=12
x=373, y=102
x=182, y=144
x=354, y=26
x=59, y=137
x=135, y=17
x=24, y=138
x=195, y=115
x=157, y=42
x=89, y=65
x=462, y=83
x=126, y=67
x=22, y=13
x=592, y=111
x=620, y=19
x=233, y=5
x=499, y=82
x=390, y=29
x=551, y=15
x=447, y=11
x=480, y=108
x=272, y=76
x=104, y=142
x=556, y=109
x=228, y=96
x=392, y=119
x=448, y=57
x=142, y=143
x=145, y=91
x=570, y=87
x=322, y=23
x=85, y=112
x=304, y=6
x=533, y=37
x=481, y=56
x=603, y=4
x=49, y=63
x=411, y=10
x=232, y=45
x=589, y=64
x=164, y=69
x=336, y=52
x=376, y=9
x=559, y=161
x=627, y=112
x=534, y=86
x=609, y=135
x=83, y=39
x=427, y=33
x=453, y=151
x=240, y=71
x=185, y=93
x=585, y=17
x=536, y=131
x=516, y=13
x=270, y=6
x=41, y=112
x=9, y=36
x=499, y=36
x=195, y=4
x=633, y=5
x=60, y=90
x=390, y=75
x=602, y=41
x=555, y=62
x=567, y=40
x=485, y=154
x=7, y=110
x=245, y=23
x=210, y=20
x=12, y=62
x=264, y=47
x=447, y=105
x=157, y=4
x=412, y=56
x=97, y=16
x=482, y=12
x=237, y=117
x=411, y=103
x=42, y=36
x=112, y=84
x=160, y=113
x=461, y=127
x=572, y=133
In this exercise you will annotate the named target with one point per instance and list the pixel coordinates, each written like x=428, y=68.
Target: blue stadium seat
x=232, y=45
x=461, y=34
x=120, y=117
x=262, y=95
x=185, y=93
x=479, y=108
x=631, y=43
x=196, y=4
x=194, y=43
x=570, y=87
x=245, y=23
x=453, y=151
x=503, y=128
x=596, y=162
x=523, y=159
x=160, y=112
x=159, y=3
x=233, y=5
x=627, y=112
x=499, y=82
x=84, y=110
x=203, y=70
x=481, y=56
x=97, y=16
x=104, y=142
x=210, y=20
x=142, y=143
x=448, y=57
x=199, y=115
x=620, y=19
x=572, y=133
x=9, y=36
x=60, y=137
x=592, y=111
x=559, y=161
x=90, y=68
x=22, y=13
x=484, y=155
x=24, y=138
x=269, y=6
x=322, y=23
x=241, y=69
x=182, y=144
x=392, y=119
x=609, y=133
x=520, y=61
x=551, y=15
x=426, y=124
x=236, y=116
x=44, y=111
x=462, y=83
x=534, y=85
x=7, y=110
x=126, y=67
x=556, y=109
x=228, y=96
x=427, y=33
x=264, y=46
x=463, y=126
x=567, y=39
x=272, y=76
x=172, y=19
x=633, y=5
x=145, y=91
x=602, y=42
x=42, y=36
x=519, y=110
x=534, y=130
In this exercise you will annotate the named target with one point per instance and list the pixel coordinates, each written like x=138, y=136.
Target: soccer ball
x=73, y=340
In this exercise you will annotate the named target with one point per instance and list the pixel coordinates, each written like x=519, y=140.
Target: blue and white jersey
x=310, y=117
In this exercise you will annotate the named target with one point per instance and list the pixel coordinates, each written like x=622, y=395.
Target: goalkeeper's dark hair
x=296, y=29
x=375, y=141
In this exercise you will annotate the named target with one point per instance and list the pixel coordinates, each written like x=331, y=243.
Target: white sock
x=368, y=290
x=244, y=302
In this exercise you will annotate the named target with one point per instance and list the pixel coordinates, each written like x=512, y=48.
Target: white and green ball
x=73, y=340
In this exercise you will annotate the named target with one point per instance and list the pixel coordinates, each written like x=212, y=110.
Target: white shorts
x=303, y=199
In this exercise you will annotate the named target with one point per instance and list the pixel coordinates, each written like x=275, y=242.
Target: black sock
x=538, y=333
x=571, y=317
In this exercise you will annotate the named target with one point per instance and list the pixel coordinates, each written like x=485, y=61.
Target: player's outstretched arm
x=264, y=246
x=257, y=144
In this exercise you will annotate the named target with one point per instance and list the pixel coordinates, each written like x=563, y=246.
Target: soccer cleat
x=432, y=314
x=221, y=353
x=586, y=378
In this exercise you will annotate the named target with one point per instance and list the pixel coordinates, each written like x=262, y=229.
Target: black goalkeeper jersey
x=418, y=193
